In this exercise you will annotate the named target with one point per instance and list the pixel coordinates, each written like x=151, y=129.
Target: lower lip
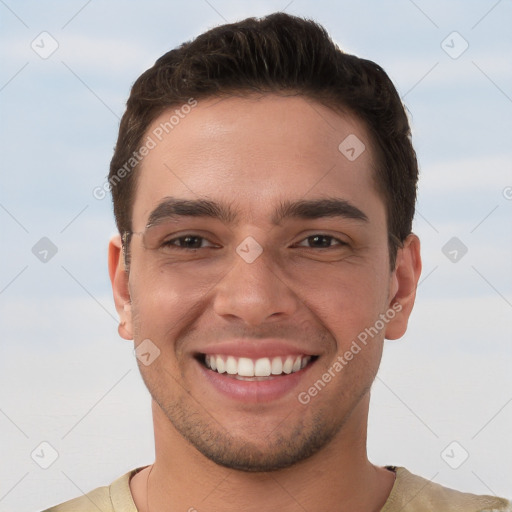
x=254, y=391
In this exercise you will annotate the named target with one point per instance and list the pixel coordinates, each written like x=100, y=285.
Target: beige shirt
x=410, y=493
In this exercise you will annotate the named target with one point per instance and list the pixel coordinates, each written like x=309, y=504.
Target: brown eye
x=321, y=242
x=188, y=242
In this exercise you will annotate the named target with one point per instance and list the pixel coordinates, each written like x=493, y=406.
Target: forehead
x=255, y=152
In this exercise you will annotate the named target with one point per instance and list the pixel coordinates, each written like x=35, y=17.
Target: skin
x=253, y=153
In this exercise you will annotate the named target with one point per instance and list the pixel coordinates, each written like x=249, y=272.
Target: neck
x=338, y=477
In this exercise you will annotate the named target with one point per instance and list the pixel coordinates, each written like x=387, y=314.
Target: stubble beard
x=284, y=446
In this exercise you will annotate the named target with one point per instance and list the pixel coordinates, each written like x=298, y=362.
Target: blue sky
x=61, y=354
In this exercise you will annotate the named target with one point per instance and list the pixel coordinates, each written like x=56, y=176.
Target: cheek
x=347, y=301
x=162, y=303
x=349, y=307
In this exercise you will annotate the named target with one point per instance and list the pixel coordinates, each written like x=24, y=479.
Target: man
x=264, y=186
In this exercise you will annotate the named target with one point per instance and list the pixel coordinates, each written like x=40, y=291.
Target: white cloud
x=494, y=172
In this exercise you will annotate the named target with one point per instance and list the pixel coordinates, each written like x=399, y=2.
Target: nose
x=255, y=292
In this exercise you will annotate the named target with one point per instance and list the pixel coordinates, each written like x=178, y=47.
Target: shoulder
x=412, y=493
x=92, y=501
x=115, y=497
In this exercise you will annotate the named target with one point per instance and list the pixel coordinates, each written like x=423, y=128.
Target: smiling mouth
x=264, y=368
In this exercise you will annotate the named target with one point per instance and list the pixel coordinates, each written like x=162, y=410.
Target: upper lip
x=256, y=348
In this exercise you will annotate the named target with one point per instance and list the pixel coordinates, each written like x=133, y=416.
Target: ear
x=404, y=281
x=120, y=288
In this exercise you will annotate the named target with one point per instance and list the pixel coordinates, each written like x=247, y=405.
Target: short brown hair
x=278, y=54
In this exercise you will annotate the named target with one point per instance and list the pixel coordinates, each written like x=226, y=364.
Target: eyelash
x=170, y=243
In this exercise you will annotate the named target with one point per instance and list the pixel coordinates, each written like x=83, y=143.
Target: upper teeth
x=262, y=367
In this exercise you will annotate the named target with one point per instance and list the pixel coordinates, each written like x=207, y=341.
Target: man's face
x=265, y=283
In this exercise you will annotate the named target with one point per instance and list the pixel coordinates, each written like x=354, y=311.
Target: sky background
x=68, y=379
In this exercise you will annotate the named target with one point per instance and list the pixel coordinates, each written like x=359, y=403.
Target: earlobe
x=120, y=288
x=404, y=282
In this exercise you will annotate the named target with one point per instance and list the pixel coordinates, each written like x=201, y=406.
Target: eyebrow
x=317, y=209
x=173, y=208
